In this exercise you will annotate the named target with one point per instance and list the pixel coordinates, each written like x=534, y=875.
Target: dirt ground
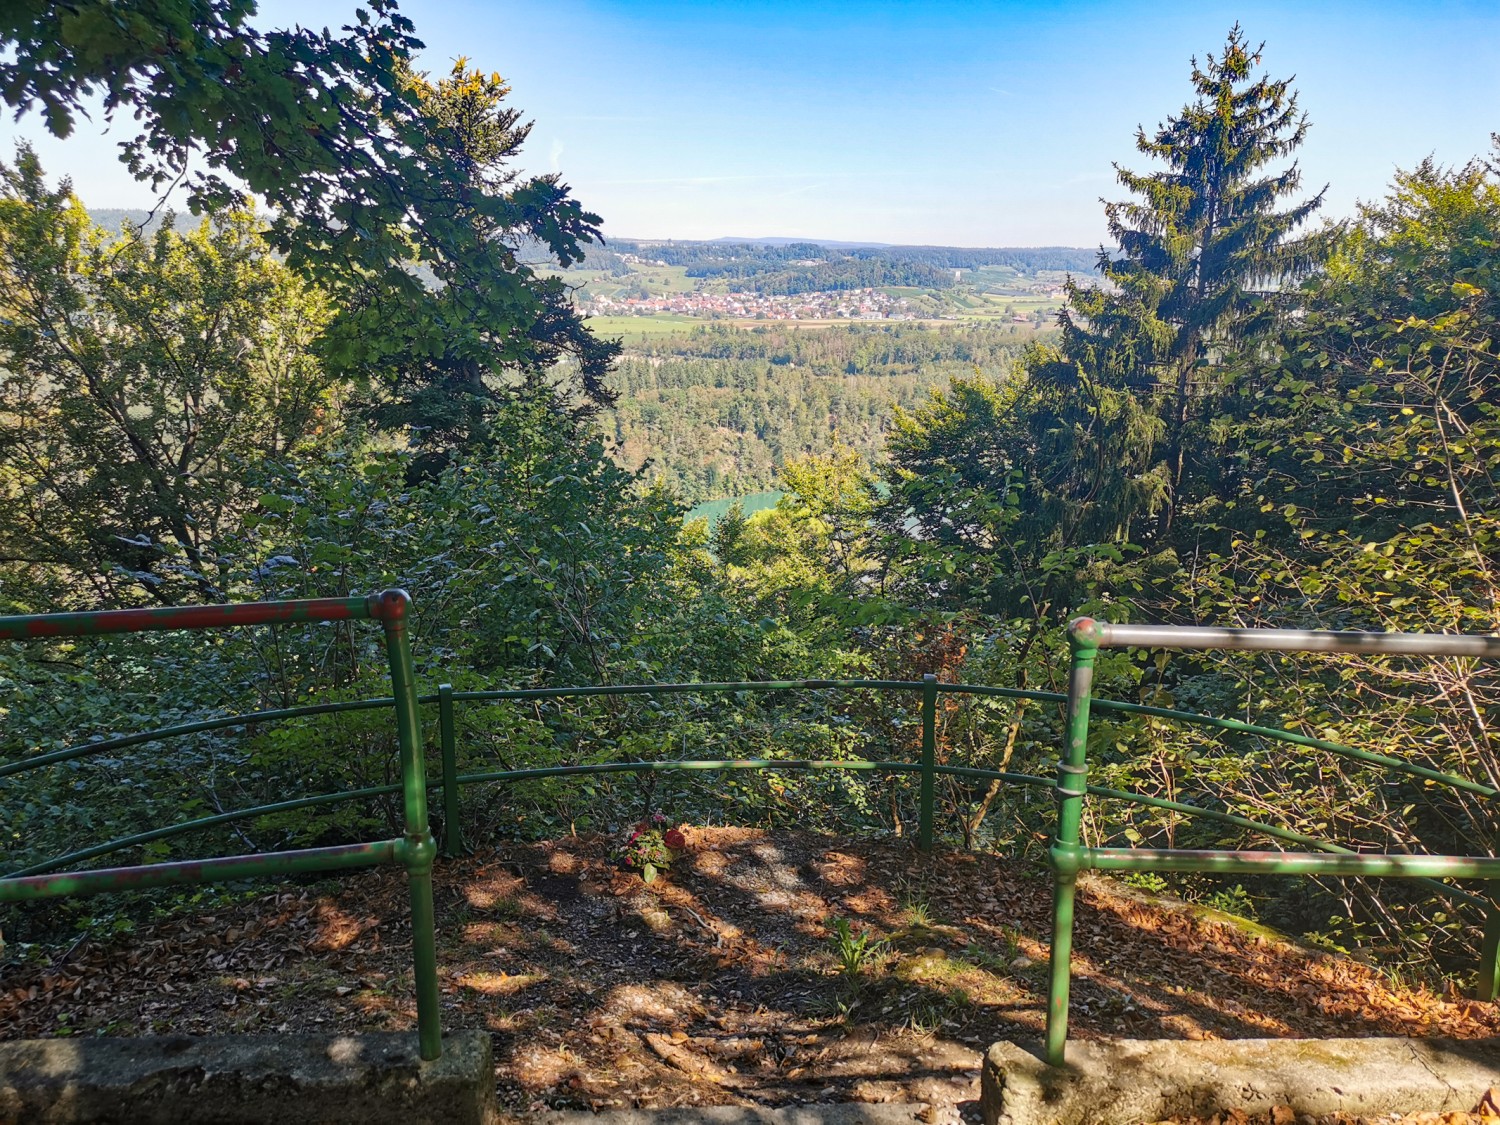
x=720, y=983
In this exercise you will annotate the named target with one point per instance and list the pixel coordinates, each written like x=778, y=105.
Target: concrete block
x=1124, y=1082
x=282, y=1079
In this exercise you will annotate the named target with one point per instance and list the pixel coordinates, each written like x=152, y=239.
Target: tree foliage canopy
x=1203, y=254
x=141, y=378
x=368, y=170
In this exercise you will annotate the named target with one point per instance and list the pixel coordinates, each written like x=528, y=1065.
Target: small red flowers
x=674, y=839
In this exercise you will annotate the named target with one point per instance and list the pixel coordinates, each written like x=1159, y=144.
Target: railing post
x=418, y=847
x=1072, y=787
x=453, y=841
x=1489, y=957
x=929, y=762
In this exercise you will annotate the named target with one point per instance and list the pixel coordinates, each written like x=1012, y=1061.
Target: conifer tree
x=1205, y=248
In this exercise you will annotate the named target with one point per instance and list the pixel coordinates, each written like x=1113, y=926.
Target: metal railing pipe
x=1072, y=787
x=419, y=849
x=117, y=845
x=1368, y=865
x=453, y=843
x=125, y=741
x=99, y=622
x=697, y=764
x=1489, y=953
x=1237, y=726
x=927, y=799
x=1289, y=640
x=724, y=687
x=306, y=860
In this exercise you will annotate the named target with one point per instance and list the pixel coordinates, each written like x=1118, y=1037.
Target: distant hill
x=115, y=218
x=984, y=254
x=741, y=257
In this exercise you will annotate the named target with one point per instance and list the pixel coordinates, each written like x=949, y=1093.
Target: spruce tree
x=1204, y=251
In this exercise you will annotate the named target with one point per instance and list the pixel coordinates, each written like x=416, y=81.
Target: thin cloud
x=805, y=188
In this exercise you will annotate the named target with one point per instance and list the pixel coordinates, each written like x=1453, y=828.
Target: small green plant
x=1148, y=881
x=1235, y=900
x=838, y=1007
x=854, y=951
x=1012, y=938
x=927, y=1015
x=919, y=912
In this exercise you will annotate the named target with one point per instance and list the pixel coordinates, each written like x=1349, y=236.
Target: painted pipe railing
x=1068, y=857
x=415, y=850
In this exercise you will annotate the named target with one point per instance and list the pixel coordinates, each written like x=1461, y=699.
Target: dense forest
x=718, y=411
x=806, y=267
x=1257, y=419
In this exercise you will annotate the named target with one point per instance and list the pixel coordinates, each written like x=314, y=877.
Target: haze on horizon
x=947, y=123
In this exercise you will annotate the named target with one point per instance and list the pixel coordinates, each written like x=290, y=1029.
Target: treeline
x=846, y=273
x=1024, y=260
x=761, y=257
x=717, y=412
x=872, y=349
x=806, y=267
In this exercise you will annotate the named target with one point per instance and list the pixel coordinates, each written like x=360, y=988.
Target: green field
x=656, y=281
x=633, y=329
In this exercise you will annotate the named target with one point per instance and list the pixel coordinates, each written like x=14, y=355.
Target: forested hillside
x=1252, y=417
x=717, y=411
x=804, y=267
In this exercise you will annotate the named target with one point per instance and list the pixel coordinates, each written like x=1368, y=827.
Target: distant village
x=844, y=304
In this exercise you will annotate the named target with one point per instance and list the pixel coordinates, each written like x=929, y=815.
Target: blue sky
x=958, y=123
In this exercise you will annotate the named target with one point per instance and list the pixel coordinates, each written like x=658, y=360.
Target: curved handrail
x=674, y=765
x=719, y=687
x=124, y=741
x=1277, y=734
x=183, y=827
x=710, y=686
x=1239, y=727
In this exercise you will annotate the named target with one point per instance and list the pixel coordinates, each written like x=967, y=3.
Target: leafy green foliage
x=1369, y=502
x=368, y=169
x=143, y=376
x=441, y=389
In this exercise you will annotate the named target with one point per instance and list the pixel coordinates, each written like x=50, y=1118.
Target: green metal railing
x=415, y=850
x=1068, y=858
